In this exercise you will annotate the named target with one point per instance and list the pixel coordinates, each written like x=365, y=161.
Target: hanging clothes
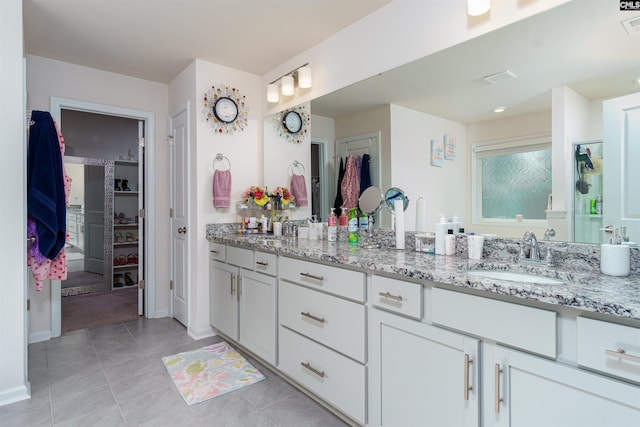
x=350, y=184
x=365, y=173
x=299, y=190
x=221, y=188
x=48, y=188
x=338, y=202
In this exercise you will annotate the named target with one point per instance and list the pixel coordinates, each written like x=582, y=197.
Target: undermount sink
x=515, y=277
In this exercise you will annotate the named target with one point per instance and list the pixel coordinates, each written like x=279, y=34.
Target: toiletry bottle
x=332, y=226
x=450, y=243
x=344, y=219
x=441, y=232
x=353, y=225
x=364, y=221
x=599, y=205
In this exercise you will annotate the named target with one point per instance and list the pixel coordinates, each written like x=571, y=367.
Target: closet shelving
x=126, y=226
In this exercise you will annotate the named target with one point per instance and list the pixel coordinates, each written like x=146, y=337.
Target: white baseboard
x=161, y=313
x=39, y=337
x=201, y=333
x=15, y=394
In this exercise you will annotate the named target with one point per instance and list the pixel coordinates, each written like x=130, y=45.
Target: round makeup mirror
x=371, y=200
x=393, y=194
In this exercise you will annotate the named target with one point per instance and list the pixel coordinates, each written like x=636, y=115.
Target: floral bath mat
x=209, y=372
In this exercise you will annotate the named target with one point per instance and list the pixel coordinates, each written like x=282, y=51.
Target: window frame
x=499, y=148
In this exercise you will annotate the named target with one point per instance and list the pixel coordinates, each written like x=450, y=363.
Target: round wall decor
x=225, y=109
x=293, y=124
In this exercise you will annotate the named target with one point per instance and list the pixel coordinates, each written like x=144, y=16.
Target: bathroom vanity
x=400, y=338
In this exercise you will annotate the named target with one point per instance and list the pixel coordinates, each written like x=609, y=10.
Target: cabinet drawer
x=266, y=263
x=601, y=346
x=346, y=283
x=240, y=257
x=217, y=251
x=514, y=325
x=336, y=378
x=397, y=295
x=335, y=322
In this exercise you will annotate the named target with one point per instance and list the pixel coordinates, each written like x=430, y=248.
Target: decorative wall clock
x=225, y=109
x=293, y=124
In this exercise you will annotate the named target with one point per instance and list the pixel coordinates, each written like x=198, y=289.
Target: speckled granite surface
x=583, y=287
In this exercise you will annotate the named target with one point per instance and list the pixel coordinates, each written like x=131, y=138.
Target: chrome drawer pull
x=312, y=369
x=312, y=317
x=264, y=264
x=498, y=399
x=622, y=354
x=467, y=387
x=215, y=252
x=390, y=296
x=311, y=276
x=232, y=277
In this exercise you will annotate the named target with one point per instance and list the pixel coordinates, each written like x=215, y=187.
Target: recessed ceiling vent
x=632, y=26
x=499, y=77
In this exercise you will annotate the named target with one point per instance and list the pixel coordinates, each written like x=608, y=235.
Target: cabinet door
x=258, y=314
x=537, y=392
x=426, y=376
x=224, y=299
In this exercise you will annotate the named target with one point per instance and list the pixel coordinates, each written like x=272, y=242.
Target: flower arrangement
x=257, y=194
x=283, y=194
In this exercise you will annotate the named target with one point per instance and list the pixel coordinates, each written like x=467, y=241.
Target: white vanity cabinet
x=243, y=292
x=322, y=333
x=527, y=390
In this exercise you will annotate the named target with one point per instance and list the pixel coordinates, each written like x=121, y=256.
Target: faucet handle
x=549, y=256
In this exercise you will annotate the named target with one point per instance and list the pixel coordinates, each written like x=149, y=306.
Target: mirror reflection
x=558, y=67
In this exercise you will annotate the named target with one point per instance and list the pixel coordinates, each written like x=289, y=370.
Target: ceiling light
x=273, y=94
x=499, y=77
x=287, y=83
x=637, y=80
x=499, y=109
x=478, y=7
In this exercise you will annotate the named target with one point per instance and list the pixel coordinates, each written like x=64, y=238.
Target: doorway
x=319, y=179
x=127, y=154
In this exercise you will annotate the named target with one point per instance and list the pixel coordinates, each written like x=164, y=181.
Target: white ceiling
x=581, y=44
x=156, y=39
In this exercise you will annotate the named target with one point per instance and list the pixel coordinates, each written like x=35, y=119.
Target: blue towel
x=45, y=184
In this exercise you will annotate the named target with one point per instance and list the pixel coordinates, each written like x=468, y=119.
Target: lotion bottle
x=441, y=232
x=450, y=243
x=332, y=227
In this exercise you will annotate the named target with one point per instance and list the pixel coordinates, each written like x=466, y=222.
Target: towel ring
x=221, y=158
x=296, y=166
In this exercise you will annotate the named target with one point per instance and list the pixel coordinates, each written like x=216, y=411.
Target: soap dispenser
x=615, y=258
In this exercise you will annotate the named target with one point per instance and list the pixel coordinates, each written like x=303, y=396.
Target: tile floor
x=114, y=376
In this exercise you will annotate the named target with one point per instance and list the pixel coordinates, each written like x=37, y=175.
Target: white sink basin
x=515, y=277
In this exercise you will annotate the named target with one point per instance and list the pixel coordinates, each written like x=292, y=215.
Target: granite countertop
x=583, y=288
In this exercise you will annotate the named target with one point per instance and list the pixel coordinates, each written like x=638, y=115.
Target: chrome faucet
x=534, y=250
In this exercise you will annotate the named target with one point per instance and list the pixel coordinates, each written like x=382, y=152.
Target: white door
x=621, y=150
x=92, y=227
x=179, y=215
x=142, y=264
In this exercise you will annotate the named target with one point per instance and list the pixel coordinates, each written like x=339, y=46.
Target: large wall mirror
x=581, y=46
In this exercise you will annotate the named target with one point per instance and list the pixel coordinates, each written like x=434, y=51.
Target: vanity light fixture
x=302, y=75
x=478, y=7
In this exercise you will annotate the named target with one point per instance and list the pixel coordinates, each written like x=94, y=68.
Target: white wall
x=14, y=385
x=47, y=78
x=243, y=149
x=444, y=188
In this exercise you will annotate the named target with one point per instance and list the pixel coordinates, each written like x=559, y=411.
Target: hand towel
x=221, y=188
x=299, y=190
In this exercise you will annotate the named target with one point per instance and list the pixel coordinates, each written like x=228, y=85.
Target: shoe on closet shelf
x=132, y=259
x=121, y=218
x=116, y=185
x=129, y=237
x=125, y=185
x=122, y=260
x=118, y=237
x=128, y=280
x=116, y=281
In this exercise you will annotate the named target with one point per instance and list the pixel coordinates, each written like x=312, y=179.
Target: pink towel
x=350, y=186
x=299, y=190
x=221, y=188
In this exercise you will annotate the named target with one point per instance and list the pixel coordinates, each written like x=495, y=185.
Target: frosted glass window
x=516, y=184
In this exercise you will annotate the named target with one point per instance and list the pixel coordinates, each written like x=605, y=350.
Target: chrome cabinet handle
x=215, y=252
x=390, y=296
x=312, y=369
x=311, y=276
x=622, y=354
x=467, y=387
x=497, y=399
x=232, y=277
x=312, y=317
x=263, y=264
x=239, y=287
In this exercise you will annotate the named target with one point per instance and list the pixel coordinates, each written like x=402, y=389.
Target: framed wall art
x=437, y=153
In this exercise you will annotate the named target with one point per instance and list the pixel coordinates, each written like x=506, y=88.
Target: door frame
x=58, y=104
x=323, y=157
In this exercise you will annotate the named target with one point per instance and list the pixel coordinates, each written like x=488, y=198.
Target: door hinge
x=170, y=212
x=28, y=304
x=141, y=213
x=141, y=284
x=141, y=142
x=170, y=285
